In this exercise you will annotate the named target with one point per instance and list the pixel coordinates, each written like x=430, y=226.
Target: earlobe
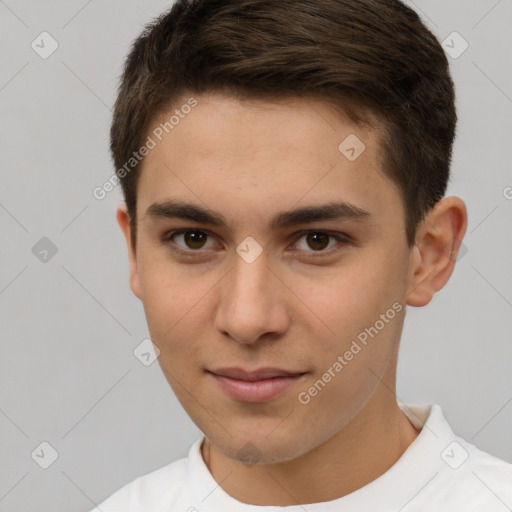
x=123, y=219
x=419, y=293
x=437, y=244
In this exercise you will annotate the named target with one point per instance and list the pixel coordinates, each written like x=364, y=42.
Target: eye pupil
x=315, y=238
x=195, y=237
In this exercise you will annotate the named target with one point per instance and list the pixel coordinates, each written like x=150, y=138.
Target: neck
x=362, y=451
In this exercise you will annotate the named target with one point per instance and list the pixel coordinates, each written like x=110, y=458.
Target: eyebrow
x=305, y=215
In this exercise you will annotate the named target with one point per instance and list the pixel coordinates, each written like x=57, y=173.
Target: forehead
x=250, y=125
x=233, y=153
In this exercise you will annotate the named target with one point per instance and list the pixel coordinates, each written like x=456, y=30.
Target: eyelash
x=340, y=237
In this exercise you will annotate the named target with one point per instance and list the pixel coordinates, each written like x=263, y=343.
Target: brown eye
x=194, y=239
x=318, y=241
x=187, y=240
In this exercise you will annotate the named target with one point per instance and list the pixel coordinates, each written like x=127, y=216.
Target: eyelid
x=342, y=239
x=167, y=240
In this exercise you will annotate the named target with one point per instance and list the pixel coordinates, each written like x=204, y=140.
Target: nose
x=252, y=302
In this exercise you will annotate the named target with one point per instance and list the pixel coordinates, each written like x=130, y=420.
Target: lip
x=254, y=386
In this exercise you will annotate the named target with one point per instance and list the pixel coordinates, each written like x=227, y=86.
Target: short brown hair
x=371, y=56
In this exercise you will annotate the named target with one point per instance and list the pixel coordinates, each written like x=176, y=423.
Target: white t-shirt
x=439, y=472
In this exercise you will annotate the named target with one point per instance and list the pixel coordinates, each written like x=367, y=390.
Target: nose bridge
x=249, y=301
x=249, y=281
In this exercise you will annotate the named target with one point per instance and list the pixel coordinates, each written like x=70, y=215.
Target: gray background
x=69, y=326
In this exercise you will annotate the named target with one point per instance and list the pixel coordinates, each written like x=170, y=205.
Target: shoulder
x=472, y=479
x=148, y=491
x=492, y=473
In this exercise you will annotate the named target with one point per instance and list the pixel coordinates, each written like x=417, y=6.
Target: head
x=305, y=160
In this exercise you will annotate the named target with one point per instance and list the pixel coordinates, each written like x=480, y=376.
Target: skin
x=248, y=161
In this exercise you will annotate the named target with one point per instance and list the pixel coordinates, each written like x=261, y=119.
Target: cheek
x=353, y=296
x=168, y=292
x=178, y=306
x=168, y=303
x=349, y=304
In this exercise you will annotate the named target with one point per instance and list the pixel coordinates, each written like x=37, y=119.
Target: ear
x=437, y=244
x=123, y=219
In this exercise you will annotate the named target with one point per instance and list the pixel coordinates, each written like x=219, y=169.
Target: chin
x=260, y=448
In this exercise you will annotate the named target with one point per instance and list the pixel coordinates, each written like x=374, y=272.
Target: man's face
x=251, y=293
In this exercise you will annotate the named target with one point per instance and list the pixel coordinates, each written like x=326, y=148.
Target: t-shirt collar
x=399, y=485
